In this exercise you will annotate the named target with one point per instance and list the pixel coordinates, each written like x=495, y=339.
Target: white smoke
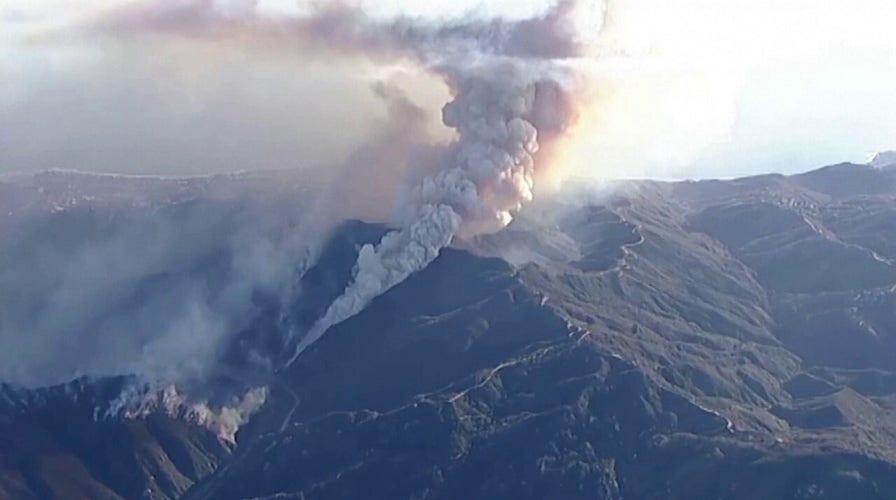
x=387, y=264
x=222, y=420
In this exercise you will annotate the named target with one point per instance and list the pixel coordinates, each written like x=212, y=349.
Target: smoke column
x=510, y=81
x=506, y=88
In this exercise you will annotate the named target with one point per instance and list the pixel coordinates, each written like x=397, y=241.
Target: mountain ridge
x=708, y=339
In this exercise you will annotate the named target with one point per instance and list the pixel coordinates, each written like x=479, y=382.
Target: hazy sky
x=681, y=88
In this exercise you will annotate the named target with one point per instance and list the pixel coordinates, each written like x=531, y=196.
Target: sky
x=678, y=89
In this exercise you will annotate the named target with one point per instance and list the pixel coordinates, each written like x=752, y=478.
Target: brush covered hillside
x=713, y=339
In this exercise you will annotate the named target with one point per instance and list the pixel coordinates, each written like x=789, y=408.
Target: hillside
x=711, y=339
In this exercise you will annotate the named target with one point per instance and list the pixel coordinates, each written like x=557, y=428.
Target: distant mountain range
x=702, y=339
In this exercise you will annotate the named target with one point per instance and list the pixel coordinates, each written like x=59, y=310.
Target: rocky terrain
x=712, y=339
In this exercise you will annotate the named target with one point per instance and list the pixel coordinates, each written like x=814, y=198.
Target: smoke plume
x=510, y=85
x=507, y=90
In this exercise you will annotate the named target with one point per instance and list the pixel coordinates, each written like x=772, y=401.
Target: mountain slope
x=56, y=443
x=665, y=371
x=712, y=339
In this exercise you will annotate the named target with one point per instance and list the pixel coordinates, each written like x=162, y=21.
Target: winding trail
x=295, y=405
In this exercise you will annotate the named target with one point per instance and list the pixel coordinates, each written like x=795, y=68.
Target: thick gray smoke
x=505, y=86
